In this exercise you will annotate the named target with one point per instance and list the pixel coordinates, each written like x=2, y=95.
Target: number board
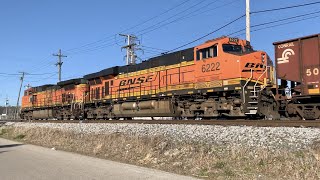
x=210, y=67
x=235, y=40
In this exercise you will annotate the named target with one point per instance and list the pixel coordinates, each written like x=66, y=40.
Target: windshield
x=231, y=48
x=248, y=49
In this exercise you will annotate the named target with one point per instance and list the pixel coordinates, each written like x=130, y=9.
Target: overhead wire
x=189, y=15
x=313, y=17
x=98, y=47
x=283, y=8
x=261, y=11
x=175, y=15
x=132, y=27
x=159, y=49
x=41, y=79
x=208, y=34
x=158, y=25
x=102, y=46
x=275, y=21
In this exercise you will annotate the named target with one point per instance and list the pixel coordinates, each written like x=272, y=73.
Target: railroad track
x=257, y=123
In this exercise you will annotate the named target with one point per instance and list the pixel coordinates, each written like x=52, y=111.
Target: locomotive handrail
x=255, y=85
x=243, y=88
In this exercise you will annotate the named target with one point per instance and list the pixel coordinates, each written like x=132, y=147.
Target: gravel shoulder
x=202, y=151
x=271, y=138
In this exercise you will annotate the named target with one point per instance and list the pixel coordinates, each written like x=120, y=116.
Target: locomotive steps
x=211, y=152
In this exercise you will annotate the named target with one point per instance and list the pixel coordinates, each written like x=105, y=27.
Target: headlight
x=263, y=56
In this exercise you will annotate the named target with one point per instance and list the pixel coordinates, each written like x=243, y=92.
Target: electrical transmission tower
x=132, y=47
x=59, y=63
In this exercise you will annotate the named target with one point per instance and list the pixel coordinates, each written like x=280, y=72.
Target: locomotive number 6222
x=210, y=67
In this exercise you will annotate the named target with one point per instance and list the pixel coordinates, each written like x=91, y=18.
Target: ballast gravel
x=271, y=138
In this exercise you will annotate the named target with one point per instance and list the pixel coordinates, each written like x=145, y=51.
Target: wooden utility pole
x=21, y=82
x=59, y=63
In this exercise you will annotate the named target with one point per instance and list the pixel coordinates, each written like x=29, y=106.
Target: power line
x=204, y=36
x=132, y=27
x=153, y=48
x=8, y=74
x=283, y=8
x=286, y=23
x=268, y=27
x=157, y=26
x=292, y=17
x=98, y=47
x=272, y=22
x=208, y=34
x=189, y=15
x=175, y=15
x=94, y=49
x=26, y=74
x=152, y=18
x=43, y=78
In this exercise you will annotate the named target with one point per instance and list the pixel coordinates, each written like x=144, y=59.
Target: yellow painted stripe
x=314, y=91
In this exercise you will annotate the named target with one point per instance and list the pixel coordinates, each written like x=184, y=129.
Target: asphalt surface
x=20, y=161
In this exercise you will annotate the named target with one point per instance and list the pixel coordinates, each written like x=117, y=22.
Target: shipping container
x=298, y=62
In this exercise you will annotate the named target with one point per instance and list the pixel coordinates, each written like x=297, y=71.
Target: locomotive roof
x=105, y=72
x=163, y=60
x=72, y=81
x=44, y=87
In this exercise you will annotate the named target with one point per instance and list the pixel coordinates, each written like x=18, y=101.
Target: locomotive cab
x=231, y=58
x=231, y=70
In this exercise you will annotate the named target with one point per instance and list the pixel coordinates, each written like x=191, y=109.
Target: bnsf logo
x=138, y=80
x=253, y=66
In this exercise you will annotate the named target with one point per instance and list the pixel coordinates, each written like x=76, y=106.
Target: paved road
x=19, y=161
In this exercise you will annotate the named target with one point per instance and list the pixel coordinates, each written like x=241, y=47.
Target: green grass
x=220, y=165
x=19, y=137
x=3, y=132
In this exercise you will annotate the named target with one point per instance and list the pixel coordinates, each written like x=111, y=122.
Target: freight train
x=221, y=78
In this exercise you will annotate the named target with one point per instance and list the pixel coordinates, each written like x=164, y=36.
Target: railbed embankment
x=212, y=152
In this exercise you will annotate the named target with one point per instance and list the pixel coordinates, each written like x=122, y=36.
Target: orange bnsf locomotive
x=222, y=78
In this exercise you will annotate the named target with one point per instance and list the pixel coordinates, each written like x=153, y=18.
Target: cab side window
x=206, y=53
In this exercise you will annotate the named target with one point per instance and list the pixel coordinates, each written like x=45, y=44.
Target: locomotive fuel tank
x=146, y=109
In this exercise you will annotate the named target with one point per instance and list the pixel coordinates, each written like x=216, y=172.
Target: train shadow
x=3, y=152
x=10, y=145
